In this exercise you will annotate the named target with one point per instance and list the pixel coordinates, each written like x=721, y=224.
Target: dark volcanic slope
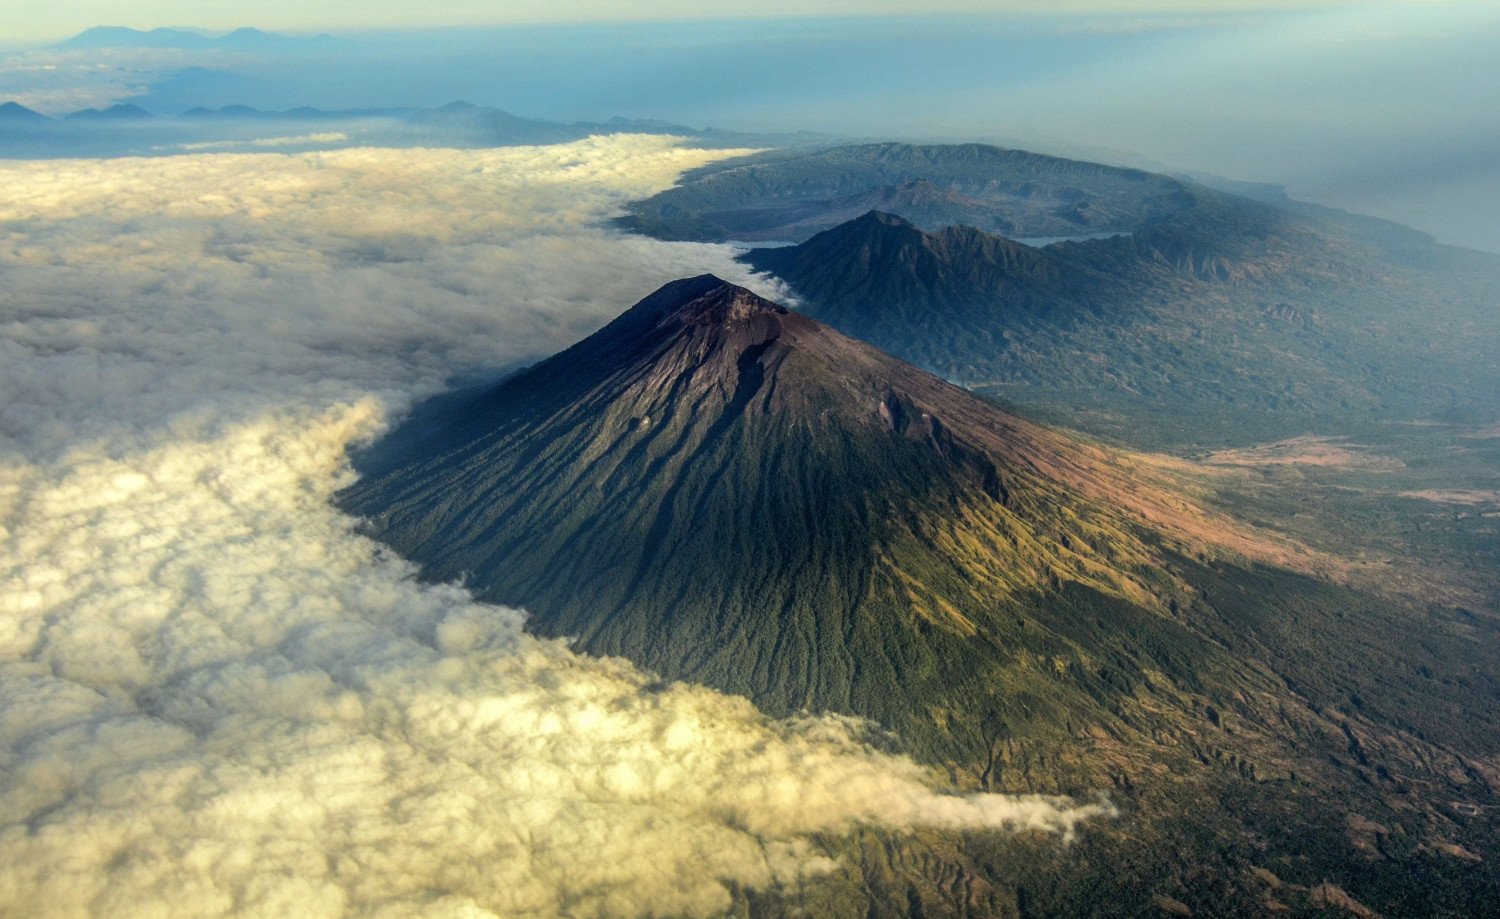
x=1218, y=319
x=881, y=279
x=732, y=493
x=793, y=196
x=1230, y=321
x=728, y=492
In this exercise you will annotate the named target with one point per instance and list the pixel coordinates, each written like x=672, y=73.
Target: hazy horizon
x=1358, y=106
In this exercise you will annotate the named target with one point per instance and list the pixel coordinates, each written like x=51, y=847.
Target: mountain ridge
x=92, y=133
x=17, y=113
x=1231, y=317
x=726, y=491
x=122, y=111
x=692, y=385
x=244, y=38
x=793, y=195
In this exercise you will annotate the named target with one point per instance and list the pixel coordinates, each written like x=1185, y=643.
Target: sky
x=57, y=20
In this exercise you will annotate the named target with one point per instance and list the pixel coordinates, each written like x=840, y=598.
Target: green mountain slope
x=710, y=460
x=728, y=492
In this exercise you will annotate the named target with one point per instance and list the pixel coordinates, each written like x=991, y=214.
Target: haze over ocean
x=1349, y=105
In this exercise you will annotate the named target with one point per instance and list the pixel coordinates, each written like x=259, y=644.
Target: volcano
x=728, y=492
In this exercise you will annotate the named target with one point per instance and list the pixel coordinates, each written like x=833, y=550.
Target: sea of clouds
x=215, y=698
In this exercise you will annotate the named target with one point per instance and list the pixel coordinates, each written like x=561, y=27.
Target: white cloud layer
x=324, y=138
x=217, y=700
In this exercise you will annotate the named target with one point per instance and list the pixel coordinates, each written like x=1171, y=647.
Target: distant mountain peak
x=123, y=111
x=899, y=249
x=244, y=38
x=712, y=482
x=125, y=37
x=15, y=111
x=886, y=224
x=877, y=218
x=869, y=227
x=895, y=229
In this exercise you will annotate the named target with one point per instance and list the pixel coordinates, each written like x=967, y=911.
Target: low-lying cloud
x=139, y=289
x=215, y=698
x=323, y=138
